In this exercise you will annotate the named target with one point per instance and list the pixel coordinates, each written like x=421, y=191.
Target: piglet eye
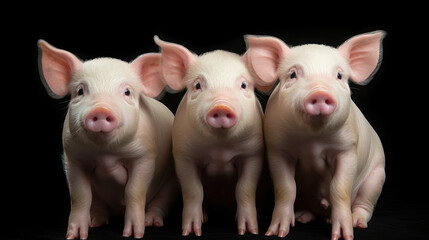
x=198, y=86
x=127, y=92
x=243, y=85
x=339, y=76
x=292, y=75
x=80, y=91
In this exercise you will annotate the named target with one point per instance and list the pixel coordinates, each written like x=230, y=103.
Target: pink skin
x=101, y=119
x=116, y=139
x=217, y=134
x=221, y=116
x=319, y=103
x=325, y=158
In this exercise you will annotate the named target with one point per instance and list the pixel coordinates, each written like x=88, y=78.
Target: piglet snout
x=101, y=119
x=320, y=103
x=221, y=116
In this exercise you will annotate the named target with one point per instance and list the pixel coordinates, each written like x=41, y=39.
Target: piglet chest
x=219, y=161
x=312, y=157
x=110, y=168
x=313, y=172
x=108, y=177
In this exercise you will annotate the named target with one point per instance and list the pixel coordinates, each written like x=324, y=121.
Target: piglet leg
x=367, y=196
x=193, y=194
x=140, y=173
x=340, y=194
x=81, y=197
x=248, y=176
x=99, y=212
x=158, y=207
x=283, y=174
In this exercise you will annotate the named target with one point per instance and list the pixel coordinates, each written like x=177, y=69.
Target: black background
x=35, y=201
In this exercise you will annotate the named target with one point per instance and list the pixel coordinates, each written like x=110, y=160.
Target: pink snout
x=221, y=116
x=101, y=119
x=320, y=103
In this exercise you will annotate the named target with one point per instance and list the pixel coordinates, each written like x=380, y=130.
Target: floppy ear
x=263, y=57
x=147, y=67
x=175, y=61
x=56, y=67
x=363, y=53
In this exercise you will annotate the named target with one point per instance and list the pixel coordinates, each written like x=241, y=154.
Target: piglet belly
x=220, y=169
x=109, y=186
x=219, y=181
x=115, y=172
x=313, y=192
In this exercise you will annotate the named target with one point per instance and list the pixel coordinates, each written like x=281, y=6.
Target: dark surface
x=35, y=201
x=393, y=219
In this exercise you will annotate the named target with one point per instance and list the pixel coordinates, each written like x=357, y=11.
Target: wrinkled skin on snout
x=217, y=134
x=116, y=139
x=325, y=158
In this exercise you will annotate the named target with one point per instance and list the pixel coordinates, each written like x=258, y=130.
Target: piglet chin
x=101, y=138
x=315, y=123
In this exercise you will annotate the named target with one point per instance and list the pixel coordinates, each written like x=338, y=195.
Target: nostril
x=320, y=103
x=329, y=101
x=101, y=120
x=221, y=116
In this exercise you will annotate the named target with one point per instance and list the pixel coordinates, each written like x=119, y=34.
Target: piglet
x=323, y=154
x=116, y=139
x=217, y=133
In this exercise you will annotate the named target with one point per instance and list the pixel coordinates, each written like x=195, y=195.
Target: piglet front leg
x=140, y=175
x=340, y=195
x=283, y=174
x=193, y=194
x=249, y=170
x=80, y=197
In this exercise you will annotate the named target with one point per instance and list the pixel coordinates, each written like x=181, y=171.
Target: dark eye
x=339, y=76
x=243, y=85
x=292, y=75
x=198, y=86
x=80, y=91
x=127, y=92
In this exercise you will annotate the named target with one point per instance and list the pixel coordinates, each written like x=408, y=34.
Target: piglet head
x=313, y=85
x=220, y=90
x=105, y=92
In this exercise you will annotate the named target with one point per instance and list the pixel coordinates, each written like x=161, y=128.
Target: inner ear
x=56, y=67
x=175, y=61
x=363, y=53
x=147, y=68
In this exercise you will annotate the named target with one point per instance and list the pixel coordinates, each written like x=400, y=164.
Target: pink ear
x=147, y=67
x=175, y=60
x=56, y=68
x=363, y=53
x=263, y=57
